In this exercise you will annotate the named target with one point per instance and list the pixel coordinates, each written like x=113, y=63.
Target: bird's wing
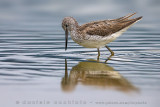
x=107, y=27
x=124, y=17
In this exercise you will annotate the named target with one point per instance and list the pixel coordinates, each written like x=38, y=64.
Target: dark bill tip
x=66, y=37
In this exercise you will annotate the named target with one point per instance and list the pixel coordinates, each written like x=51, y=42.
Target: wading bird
x=97, y=34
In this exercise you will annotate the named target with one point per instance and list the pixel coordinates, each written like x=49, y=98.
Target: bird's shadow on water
x=97, y=74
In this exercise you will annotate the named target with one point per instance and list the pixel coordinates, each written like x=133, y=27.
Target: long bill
x=66, y=37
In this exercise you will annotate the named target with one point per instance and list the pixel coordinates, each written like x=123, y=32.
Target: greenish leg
x=109, y=58
x=112, y=53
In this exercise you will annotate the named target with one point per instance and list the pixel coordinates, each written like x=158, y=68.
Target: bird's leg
x=108, y=58
x=112, y=53
x=98, y=54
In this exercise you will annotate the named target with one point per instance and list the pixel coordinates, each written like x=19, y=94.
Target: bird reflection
x=96, y=74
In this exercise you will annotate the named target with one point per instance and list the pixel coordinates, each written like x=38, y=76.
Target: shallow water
x=35, y=67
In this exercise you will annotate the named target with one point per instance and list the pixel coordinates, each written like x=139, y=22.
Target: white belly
x=96, y=41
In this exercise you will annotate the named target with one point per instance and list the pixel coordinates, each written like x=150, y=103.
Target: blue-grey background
x=32, y=55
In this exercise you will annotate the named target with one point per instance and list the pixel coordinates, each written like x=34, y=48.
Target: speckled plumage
x=97, y=34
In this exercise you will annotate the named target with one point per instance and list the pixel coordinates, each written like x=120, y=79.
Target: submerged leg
x=98, y=53
x=112, y=53
x=109, y=58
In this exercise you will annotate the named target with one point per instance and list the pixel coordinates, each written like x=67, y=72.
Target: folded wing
x=108, y=27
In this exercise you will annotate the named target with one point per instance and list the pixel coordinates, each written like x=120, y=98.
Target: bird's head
x=68, y=24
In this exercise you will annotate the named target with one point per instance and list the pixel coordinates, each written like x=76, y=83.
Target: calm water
x=35, y=67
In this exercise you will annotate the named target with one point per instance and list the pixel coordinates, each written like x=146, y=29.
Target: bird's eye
x=66, y=25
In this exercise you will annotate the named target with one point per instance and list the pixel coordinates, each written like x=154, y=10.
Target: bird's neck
x=73, y=29
x=74, y=33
